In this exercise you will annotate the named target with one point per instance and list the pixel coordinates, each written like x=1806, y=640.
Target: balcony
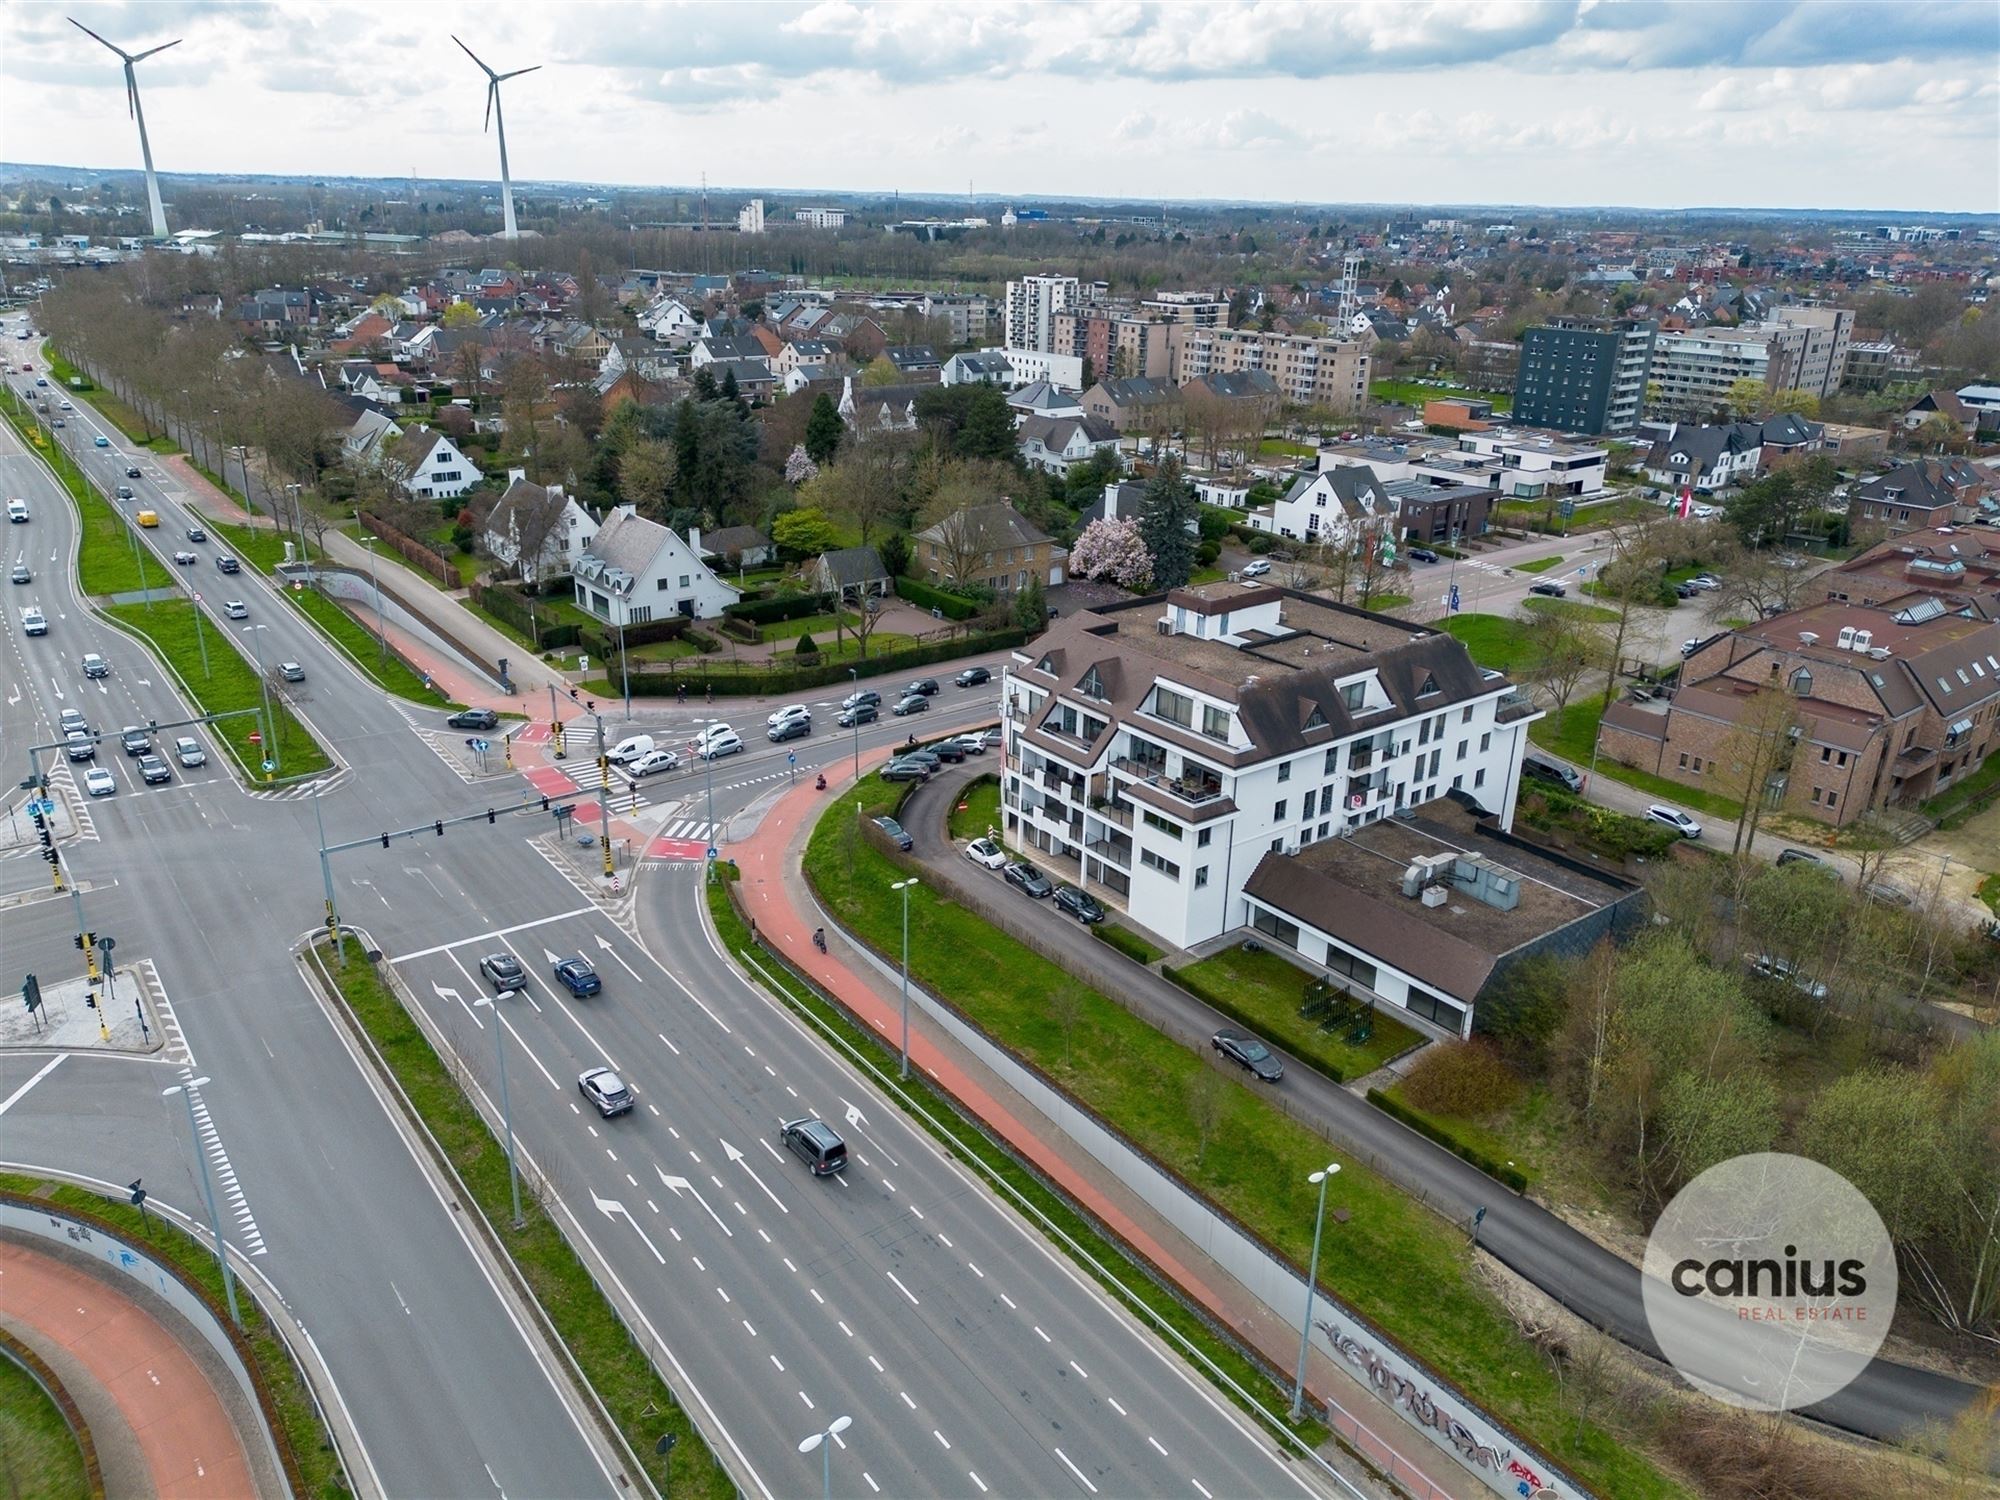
x=1193, y=790
x=1511, y=706
x=1117, y=851
x=1114, y=812
x=1915, y=759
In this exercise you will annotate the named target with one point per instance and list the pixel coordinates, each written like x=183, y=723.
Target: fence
x=514, y=609
x=750, y=679
x=419, y=554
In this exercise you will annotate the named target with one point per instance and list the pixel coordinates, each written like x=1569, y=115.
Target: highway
x=971, y=1358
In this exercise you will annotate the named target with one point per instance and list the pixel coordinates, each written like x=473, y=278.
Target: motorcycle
x=819, y=783
x=819, y=938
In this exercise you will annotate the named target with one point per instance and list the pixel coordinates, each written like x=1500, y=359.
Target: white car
x=1256, y=569
x=1691, y=645
x=236, y=609
x=1675, y=819
x=715, y=746
x=651, y=762
x=714, y=731
x=789, y=711
x=986, y=852
x=99, y=782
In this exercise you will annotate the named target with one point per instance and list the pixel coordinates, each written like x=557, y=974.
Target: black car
x=473, y=718
x=790, y=729
x=578, y=977
x=950, y=750
x=503, y=971
x=1079, y=904
x=924, y=756
x=815, y=1143
x=896, y=832
x=1422, y=554
x=135, y=741
x=72, y=721
x=1536, y=768
x=916, y=703
x=1029, y=879
x=1685, y=591
x=973, y=676
x=1548, y=590
x=153, y=769
x=1248, y=1052
x=229, y=565
x=132, y=471
x=861, y=713
x=905, y=770
x=196, y=534
x=862, y=696
x=923, y=687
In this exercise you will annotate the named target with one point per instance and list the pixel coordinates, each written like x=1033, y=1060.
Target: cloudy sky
x=1646, y=102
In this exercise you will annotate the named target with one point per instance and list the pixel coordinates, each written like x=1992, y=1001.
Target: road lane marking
x=905, y=1290
x=19, y=1093
x=1080, y=1479
x=1156, y=1446
x=1079, y=1369
x=487, y=937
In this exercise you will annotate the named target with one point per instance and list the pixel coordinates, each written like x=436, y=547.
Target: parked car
x=1549, y=589
x=905, y=770
x=924, y=756
x=1806, y=857
x=606, y=1090
x=1079, y=904
x=896, y=832
x=815, y=1143
x=152, y=769
x=1422, y=555
x=1882, y=892
x=503, y=971
x=473, y=718
x=972, y=677
x=1256, y=569
x=916, y=703
x=1541, y=768
x=1689, y=646
x=986, y=852
x=949, y=750
x=860, y=713
x=1247, y=1052
x=1029, y=879
x=1675, y=819
x=578, y=977
x=1685, y=591
x=188, y=751
x=99, y=782
x=972, y=744
x=1786, y=971
x=789, y=729
x=1705, y=582
x=652, y=763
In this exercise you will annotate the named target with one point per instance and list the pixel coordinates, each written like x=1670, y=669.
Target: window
x=1214, y=721
x=1485, y=741
x=1478, y=779
x=1350, y=966
x=641, y=614
x=1802, y=683
x=1458, y=783
x=1825, y=754
x=684, y=580
x=1285, y=771
x=1332, y=760
x=1354, y=695
x=1274, y=926
x=1435, y=754
x=1424, y=732
x=1465, y=715
x=1278, y=812
x=1277, y=846
x=1201, y=837
x=1165, y=866
x=1684, y=760
x=1437, y=1010
x=1463, y=746
x=1154, y=820
x=1815, y=794
x=1176, y=708
x=664, y=584
x=1200, y=876
x=1831, y=798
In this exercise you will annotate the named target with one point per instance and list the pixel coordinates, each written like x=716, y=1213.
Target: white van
x=17, y=510
x=630, y=748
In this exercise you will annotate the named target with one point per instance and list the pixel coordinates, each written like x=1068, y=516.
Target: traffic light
x=84, y=941
x=385, y=841
x=439, y=825
x=489, y=815
x=545, y=803
x=31, y=993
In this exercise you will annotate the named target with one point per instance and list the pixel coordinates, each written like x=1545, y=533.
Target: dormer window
x=1429, y=686
x=1092, y=685
x=1314, y=720
x=1802, y=683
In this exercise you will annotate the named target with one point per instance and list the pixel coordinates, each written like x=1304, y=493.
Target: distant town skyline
x=1890, y=107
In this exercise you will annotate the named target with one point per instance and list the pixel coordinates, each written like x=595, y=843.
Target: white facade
x=1317, y=511
x=1531, y=468
x=635, y=571
x=669, y=321
x=566, y=541
x=988, y=367
x=1031, y=307
x=1692, y=372
x=1063, y=371
x=750, y=217
x=820, y=218
x=443, y=473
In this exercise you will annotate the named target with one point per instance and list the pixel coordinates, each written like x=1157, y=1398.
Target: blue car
x=101, y=441
x=578, y=977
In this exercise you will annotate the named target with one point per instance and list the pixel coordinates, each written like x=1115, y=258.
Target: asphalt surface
x=1885, y=1402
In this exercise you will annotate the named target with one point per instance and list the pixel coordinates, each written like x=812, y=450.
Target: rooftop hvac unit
x=1435, y=895
x=1846, y=638
x=1164, y=626
x=1808, y=638
x=1862, y=639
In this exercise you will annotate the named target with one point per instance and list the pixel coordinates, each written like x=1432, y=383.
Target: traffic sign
x=713, y=851
x=791, y=758
x=482, y=746
x=197, y=596
x=270, y=766
x=46, y=808
x=256, y=738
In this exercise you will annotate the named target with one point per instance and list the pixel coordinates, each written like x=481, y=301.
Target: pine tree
x=823, y=429
x=1167, y=522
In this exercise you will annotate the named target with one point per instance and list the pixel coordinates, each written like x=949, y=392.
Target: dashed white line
x=808, y=1401
x=670, y=1046
x=1205, y=1495
x=1079, y=1369
x=941, y=1438
x=1080, y=1477
x=871, y=1481
x=906, y=1400
x=945, y=1240
x=888, y=1184
x=763, y=1236
x=918, y=1211
x=788, y=1264
x=722, y=1294
x=1043, y=1336
x=1009, y=1301
x=1156, y=1445
x=907, y=1292
x=753, y=1331
x=975, y=1270
x=1112, y=1400
x=697, y=1263
x=973, y=1475
x=795, y=1094
x=779, y=1363
x=631, y=1179
x=844, y=1328
x=877, y=1364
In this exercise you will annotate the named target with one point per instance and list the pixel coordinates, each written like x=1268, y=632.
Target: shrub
x=1206, y=553
x=954, y=606
x=1466, y=1079
x=1262, y=542
x=783, y=607
x=1499, y=1171
x=808, y=646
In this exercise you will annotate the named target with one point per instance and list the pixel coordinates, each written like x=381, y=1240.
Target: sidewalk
x=160, y=1428
x=777, y=896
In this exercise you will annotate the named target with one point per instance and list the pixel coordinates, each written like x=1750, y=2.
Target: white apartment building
x=1530, y=468
x=1157, y=749
x=1331, y=372
x=1063, y=371
x=1691, y=372
x=1823, y=360
x=820, y=218
x=750, y=217
x=1031, y=307
x=1195, y=309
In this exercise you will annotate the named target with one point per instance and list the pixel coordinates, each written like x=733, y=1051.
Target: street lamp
x=264, y=683
x=1312, y=1284
x=375, y=582
x=824, y=1442
x=904, y=887
x=506, y=1109
x=625, y=670
x=186, y=1091
x=854, y=676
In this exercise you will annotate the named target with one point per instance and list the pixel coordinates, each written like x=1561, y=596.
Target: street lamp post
x=904, y=887
x=854, y=676
x=375, y=582
x=326, y=879
x=823, y=1440
x=264, y=682
x=506, y=1109
x=625, y=671
x=186, y=1091
x=1331, y=1170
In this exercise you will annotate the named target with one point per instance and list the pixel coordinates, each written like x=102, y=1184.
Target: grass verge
x=361, y=645
x=108, y=406
x=1264, y=992
x=261, y=547
x=964, y=1140
x=1964, y=796
x=618, y=1370
x=105, y=562
x=1572, y=734
x=231, y=682
x=1590, y=614
x=977, y=809
x=1407, y=1269
x=1382, y=603
x=1539, y=565
x=1495, y=641
x=299, y=1427
x=38, y=1453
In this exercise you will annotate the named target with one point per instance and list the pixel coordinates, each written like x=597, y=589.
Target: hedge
x=1499, y=1171
x=540, y=627
x=955, y=606
x=1125, y=941
x=421, y=554
x=771, y=611
x=755, y=679
x=1242, y=1017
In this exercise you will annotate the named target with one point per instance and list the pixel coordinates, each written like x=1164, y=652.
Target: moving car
x=923, y=687
x=473, y=718
x=1675, y=819
x=100, y=441
x=652, y=762
x=95, y=665
x=1421, y=554
x=860, y=713
x=131, y=471
x=578, y=977
x=1079, y=904
x=152, y=769
x=196, y=534
x=503, y=971
x=34, y=622
x=1246, y=1051
x=972, y=677
x=789, y=711
x=861, y=696
x=184, y=557
x=1541, y=768
x=236, y=609
x=1029, y=879
x=229, y=565
x=20, y=573
x=897, y=834
x=79, y=746
x=17, y=511
x=146, y=518
x=291, y=671
x=815, y=1143
x=719, y=745
x=72, y=721
x=789, y=729
x=916, y=703
x=606, y=1090
x=1256, y=569
x=986, y=852
x=188, y=751
x=99, y=782
x=1548, y=589
x=134, y=740
x=631, y=748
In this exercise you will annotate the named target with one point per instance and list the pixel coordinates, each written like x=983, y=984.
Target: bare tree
x=1563, y=649
x=532, y=518
x=1207, y=1102
x=1066, y=1010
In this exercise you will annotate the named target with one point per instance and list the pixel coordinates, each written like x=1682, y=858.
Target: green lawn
x=38, y=1453
x=1285, y=448
x=1496, y=641
x=365, y=650
x=1950, y=805
x=261, y=547
x=1590, y=614
x=1574, y=736
x=813, y=625
x=978, y=810
x=1409, y=393
x=106, y=561
x=615, y=1364
x=230, y=683
x=1410, y=1270
x=1511, y=1137
x=665, y=650
x=1539, y=565
x=1387, y=602
x=1266, y=991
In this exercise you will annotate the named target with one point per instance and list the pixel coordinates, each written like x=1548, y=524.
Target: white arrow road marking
x=611, y=1208
x=854, y=1117
x=14, y=694
x=606, y=946
x=679, y=1185
x=737, y=1156
x=58, y=687
x=551, y=959
x=444, y=993
x=144, y=681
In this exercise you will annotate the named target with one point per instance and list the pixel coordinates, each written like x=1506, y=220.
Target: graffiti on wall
x=1422, y=1408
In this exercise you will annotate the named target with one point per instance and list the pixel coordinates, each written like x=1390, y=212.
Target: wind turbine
x=493, y=119
x=132, y=94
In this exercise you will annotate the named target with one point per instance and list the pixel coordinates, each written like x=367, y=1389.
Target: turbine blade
x=518, y=72
x=474, y=56
x=492, y=91
x=96, y=38
x=161, y=48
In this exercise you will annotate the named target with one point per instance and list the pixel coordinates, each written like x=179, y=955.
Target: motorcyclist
x=819, y=782
x=819, y=938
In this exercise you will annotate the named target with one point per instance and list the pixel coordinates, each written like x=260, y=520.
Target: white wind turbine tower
x=132, y=94
x=493, y=119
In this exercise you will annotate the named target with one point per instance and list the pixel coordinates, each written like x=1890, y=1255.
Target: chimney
x=516, y=476
x=694, y=542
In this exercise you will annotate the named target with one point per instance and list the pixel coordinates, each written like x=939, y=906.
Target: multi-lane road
x=901, y=1294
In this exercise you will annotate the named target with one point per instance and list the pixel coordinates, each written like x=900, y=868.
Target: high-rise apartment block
x=1584, y=374
x=1032, y=305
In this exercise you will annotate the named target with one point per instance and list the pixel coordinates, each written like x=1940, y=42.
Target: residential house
x=1332, y=508
x=854, y=573
x=635, y=571
x=669, y=322
x=1708, y=458
x=993, y=546
x=1040, y=399
x=1947, y=404
x=870, y=409
x=1056, y=444
x=725, y=346
x=1430, y=514
x=738, y=547
x=1136, y=404
x=429, y=466
x=581, y=342
x=538, y=530
x=1892, y=703
x=1158, y=750
x=363, y=443
x=913, y=361
x=1919, y=496
x=988, y=367
x=1961, y=565
x=801, y=353
x=1330, y=372
x=1532, y=468
x=1249, y=391
x=754, y=380
x=276, y=310
x=643, y=357
x=363, y=334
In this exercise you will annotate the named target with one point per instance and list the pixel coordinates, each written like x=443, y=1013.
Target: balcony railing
x=1115, y=812
x=1192, y=789
x=1511, y=706
x=1119, y=854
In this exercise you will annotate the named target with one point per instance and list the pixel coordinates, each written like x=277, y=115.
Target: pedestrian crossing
x=692, y=829
x=63, y=780
x=300, y=792
x=622, y=791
